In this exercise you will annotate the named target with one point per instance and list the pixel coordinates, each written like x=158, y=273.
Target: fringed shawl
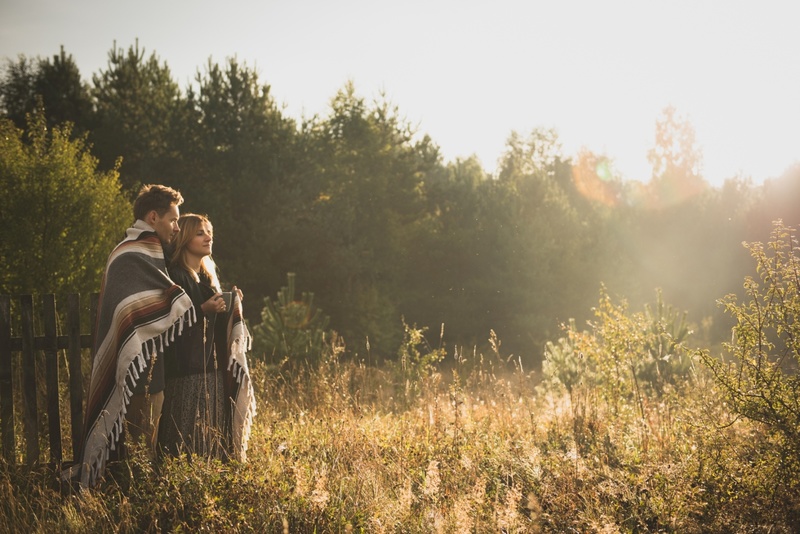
x=140, y=312
x=243, y=400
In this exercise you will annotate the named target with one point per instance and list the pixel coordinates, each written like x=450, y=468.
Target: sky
x=469, y=73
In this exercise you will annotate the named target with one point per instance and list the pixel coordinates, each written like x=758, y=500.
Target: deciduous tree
x=676, y=159
x=59, y=216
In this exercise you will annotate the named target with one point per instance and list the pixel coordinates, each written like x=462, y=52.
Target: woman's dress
x=194, y=418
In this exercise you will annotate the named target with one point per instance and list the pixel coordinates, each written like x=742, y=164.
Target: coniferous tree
x=239, y=169
x=57, y=82
x=17, y=89
x=371, y=173
x=137, y=107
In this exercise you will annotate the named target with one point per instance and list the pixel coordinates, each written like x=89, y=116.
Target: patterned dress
x=194, y=418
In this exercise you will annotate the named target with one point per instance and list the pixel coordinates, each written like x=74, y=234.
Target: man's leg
x=156, y=404
x=144, y=412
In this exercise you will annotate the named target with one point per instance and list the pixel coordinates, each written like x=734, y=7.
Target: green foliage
x=627, y=356
x=359, y=203
x=368, y=171
x=535, y=244
x=290, y=328
x=17, y=93
x=137, y=105
x=235, y=162
x=415, y=369
x=56, y=82
x=762, y=381
x=562, y=364
x=676, y=161
x=667, y=331
x=59, y=216
x=65, y=95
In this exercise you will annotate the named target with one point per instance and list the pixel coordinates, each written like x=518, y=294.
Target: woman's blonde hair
x=189, y=223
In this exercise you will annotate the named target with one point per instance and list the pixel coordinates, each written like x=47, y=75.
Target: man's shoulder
x=138, y=246
x=143, y=242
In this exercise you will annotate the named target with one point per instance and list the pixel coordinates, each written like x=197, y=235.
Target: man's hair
x=155, y=197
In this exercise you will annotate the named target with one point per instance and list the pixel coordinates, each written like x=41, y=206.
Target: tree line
x=362, y=207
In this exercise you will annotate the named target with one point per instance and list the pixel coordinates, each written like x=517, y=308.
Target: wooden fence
x=29, y=344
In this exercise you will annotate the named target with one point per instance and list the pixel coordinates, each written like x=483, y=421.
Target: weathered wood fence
x=29, y=344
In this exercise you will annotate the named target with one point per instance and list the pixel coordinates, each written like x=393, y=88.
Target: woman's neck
x=194, y=262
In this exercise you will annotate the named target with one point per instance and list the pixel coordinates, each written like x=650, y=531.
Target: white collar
x=141, y=225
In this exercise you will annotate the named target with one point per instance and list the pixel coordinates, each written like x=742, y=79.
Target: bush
x=626, y=355
x=290, y=329
x=72, y=214
x=760, y=379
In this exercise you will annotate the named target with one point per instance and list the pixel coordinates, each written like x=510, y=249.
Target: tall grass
x=472, y=443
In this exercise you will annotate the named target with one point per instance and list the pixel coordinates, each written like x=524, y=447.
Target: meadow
x=480, y=448
x=625, y=427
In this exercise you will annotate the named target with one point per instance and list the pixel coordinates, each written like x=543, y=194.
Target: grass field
x=447, y=442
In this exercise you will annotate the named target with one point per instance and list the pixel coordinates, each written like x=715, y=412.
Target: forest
x=548, y=347
x=359, y=205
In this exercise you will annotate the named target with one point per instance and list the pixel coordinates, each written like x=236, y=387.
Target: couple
x=169, y=359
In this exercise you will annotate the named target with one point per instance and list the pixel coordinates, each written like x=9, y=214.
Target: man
x=140, y=312
x=156, y=210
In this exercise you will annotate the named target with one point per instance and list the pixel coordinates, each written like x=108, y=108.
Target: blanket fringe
x=244, y=401
x=137, y=366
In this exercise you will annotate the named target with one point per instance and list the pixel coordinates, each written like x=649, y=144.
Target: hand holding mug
x=216, y=304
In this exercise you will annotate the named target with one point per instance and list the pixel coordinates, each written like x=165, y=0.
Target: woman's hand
x=238, y=292
x=215, y=304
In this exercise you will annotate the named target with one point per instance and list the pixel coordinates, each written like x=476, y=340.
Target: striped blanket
x=238, y=381
x=140, y=312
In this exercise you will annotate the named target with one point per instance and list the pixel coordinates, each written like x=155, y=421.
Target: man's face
x=166, y=226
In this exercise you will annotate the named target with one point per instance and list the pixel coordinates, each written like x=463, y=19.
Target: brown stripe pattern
x=140, y=312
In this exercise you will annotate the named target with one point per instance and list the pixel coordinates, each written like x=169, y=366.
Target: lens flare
x=593, y=177
x=603, y=170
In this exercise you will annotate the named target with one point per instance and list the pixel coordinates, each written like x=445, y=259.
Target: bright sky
x=468, y=73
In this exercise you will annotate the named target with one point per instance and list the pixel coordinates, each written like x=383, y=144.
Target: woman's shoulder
x=180, y=275
x=206, y=283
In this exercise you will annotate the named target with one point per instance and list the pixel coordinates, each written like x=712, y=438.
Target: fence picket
x=6, y=381
x=75, y=371
x=51, y=381
x=30, y=345
x=30, y=411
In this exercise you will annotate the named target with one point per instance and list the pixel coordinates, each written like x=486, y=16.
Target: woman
x=208, y=400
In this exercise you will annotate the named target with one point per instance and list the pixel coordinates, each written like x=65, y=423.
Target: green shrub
x=626, y=355
x=562, y=364
x=290, y=329
x=415, y=369
x=760, y=379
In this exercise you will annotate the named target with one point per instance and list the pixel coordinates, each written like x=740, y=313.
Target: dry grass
x=344, y=448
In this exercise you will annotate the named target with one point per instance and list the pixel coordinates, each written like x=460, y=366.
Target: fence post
x=6, y=381
x=29, y=408
x=51, y=377
x=75, y=373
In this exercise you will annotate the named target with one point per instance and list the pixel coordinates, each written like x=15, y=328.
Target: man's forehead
x=171, y=213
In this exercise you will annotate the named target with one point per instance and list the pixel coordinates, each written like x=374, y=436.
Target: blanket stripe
x=140, y=312
x=243, y=398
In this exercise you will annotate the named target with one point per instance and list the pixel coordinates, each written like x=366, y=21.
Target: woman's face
x=200, y=243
